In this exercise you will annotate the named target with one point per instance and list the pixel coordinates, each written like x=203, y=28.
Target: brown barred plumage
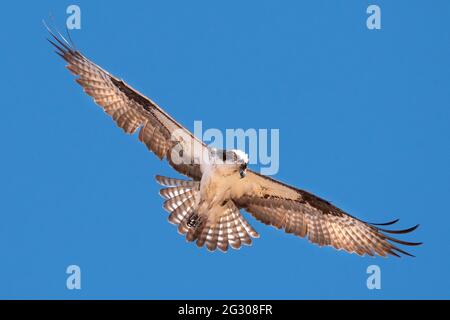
x=270, y=201
x=229, y=230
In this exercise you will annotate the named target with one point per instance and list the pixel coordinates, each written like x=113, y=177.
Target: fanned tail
x=180, y=198
x=228, y=229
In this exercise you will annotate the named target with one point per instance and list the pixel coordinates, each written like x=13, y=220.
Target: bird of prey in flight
x=206, y=207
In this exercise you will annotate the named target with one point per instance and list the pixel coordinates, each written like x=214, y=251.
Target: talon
x=193, y=220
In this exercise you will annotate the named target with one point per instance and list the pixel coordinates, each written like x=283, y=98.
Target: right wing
x=132, y=110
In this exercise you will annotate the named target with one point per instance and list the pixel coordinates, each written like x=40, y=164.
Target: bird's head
x=230, y=161
x=242, y=161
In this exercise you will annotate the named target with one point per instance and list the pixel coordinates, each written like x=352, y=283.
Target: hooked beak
x=242, y=171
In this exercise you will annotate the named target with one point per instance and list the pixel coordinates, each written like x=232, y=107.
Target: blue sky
x=364, y=121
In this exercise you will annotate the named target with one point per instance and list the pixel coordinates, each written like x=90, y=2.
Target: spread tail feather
x=230, y=229
x=171, y=182
x=180, y=199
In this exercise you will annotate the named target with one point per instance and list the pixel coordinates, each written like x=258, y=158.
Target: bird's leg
x=194, y=220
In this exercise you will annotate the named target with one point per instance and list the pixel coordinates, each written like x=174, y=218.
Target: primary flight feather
x=206, y=208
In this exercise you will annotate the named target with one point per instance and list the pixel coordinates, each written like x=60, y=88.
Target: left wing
x=304, y=214
x=132, y=110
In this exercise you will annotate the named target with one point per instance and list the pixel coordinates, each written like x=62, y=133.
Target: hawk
x=207, y=207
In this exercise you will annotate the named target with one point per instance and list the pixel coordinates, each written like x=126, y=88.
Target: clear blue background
x=364, y=119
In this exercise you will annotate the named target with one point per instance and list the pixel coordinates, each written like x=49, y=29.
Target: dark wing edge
x=307, y=215
x=132, y=110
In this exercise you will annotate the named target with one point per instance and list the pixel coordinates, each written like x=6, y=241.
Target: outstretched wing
x=304, y=214
x=132, y=110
